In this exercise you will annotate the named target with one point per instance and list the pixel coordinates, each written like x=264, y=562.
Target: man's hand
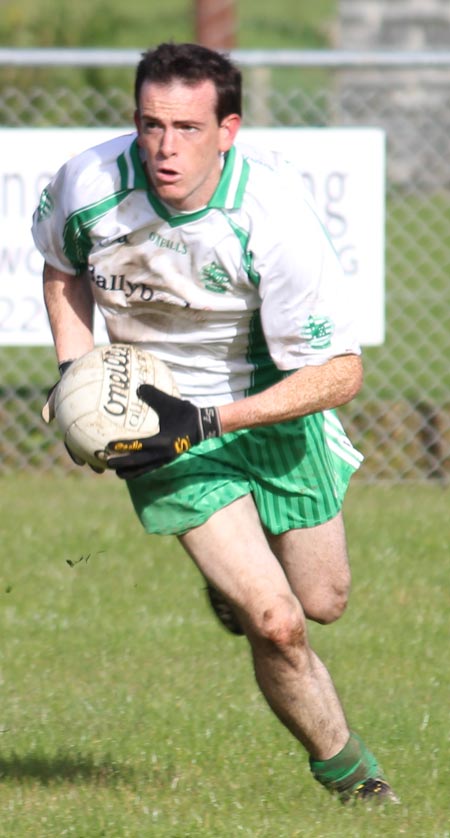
x=48, y=411
x=48, y=415
x=181, y=424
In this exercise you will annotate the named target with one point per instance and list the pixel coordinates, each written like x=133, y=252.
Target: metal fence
x=401, y=419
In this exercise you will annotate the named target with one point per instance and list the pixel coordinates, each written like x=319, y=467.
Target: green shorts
x=297, y=472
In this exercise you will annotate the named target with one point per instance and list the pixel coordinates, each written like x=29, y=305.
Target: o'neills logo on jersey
x=117, y=362
x=179, y=247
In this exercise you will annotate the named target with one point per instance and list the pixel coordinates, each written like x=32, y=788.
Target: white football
x=96, y=401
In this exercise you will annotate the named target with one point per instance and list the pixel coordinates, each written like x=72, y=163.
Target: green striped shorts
x=297, y=472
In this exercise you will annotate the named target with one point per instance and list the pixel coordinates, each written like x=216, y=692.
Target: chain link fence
x=401, y=419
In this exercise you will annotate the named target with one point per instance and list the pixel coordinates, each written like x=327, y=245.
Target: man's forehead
x=178, y=93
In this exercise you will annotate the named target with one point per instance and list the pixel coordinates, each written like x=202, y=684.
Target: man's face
x=178, y=130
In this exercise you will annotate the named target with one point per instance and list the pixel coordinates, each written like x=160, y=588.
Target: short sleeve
x=49, y=221
x=306, y=305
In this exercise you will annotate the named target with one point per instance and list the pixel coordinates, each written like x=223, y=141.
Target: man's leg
x=316, y=564
x=223, y=610
x=232, y=552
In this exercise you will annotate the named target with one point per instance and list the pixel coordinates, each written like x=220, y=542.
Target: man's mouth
x=166, y=175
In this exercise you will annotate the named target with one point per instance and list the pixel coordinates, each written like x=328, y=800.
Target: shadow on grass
x=65, y=768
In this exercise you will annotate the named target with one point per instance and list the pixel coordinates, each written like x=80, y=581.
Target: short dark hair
x=192, y=63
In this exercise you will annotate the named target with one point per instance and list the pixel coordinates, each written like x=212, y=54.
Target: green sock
x=347, y=769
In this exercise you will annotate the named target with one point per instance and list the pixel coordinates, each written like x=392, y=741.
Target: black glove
x=48, y=414
x=181, y=425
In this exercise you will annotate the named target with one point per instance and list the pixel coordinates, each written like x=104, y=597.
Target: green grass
x=128, y=712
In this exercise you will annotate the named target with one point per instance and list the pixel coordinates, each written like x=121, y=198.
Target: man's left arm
x=182, y=424
x=308, y=390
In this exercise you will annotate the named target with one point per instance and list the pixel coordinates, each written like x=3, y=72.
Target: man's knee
x=328, y=603
x=281, y=623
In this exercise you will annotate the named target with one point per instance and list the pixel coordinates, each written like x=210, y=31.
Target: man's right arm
x=70, y=308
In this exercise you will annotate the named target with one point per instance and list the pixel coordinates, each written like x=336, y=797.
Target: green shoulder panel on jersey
x=231, y=187
x=265, y=373
x=132, y=175
x=243, y=237
x=77, y=240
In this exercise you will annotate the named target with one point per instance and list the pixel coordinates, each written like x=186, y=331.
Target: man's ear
x=228, y=129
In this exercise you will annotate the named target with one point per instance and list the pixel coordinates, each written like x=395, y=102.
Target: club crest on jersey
x=214, y=278
x=317, y=331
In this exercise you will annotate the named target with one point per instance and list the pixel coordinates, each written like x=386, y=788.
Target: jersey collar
x=230, y=190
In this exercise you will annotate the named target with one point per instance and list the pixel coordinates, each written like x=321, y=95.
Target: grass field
x=128, y=712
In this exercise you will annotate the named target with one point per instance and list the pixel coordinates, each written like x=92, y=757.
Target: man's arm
x=308, y=390
x=182, y=425
x=70, y=309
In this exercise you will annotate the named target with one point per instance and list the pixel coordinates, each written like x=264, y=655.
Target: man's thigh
x=316, y=564
x=232, y=551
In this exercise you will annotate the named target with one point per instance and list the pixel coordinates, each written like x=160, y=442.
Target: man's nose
x=168, y=142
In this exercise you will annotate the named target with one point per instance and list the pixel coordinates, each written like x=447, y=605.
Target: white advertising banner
x=343, y=167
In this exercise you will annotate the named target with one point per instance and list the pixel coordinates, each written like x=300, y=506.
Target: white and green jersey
x=232, y=296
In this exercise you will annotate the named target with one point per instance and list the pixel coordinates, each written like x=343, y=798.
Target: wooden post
x=431, y=438
x=215, y=23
